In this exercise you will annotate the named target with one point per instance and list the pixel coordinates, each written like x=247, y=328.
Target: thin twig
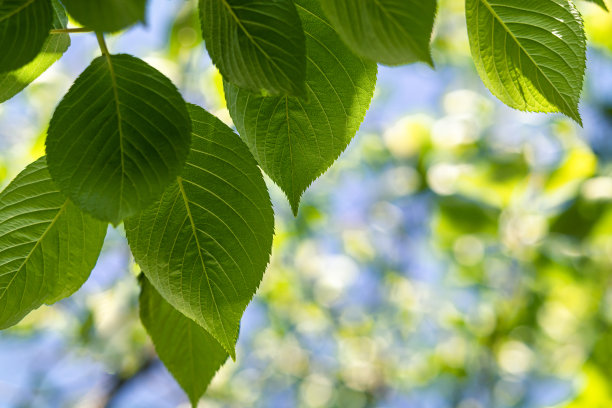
x=102, y=43
x=71, y=30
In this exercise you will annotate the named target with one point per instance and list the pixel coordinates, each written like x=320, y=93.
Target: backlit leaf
x=296, y=140
x=48, y=246
x=106, y=15
x=205, y=245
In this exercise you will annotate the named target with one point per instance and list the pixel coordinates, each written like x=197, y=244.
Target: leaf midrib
x=17, y=10
x=507, y=29
x=42, y=237
x=111, y=71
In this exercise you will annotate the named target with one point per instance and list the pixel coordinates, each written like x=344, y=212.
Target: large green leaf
x=106, y=15
x=48, y=246
x=256, y=44
x=391, y=32
x=530, y=54
x=296, y=140
x=189, y=352
x=118, y=138
x=205, y=245
x=24, y=26
x=11, y=83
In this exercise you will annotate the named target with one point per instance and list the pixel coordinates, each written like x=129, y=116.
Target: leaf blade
x=391, y=32
x=13, y=82
x=47, y=246
x=256, y=44
x=118, y=138
x=205, y=245
x=107, y=16
x=192, y=361
x=296, y=140
x=539, y=71
x=24, y=27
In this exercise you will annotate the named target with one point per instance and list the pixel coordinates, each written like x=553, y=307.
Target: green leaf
x=530, y=54
x=11, y=83
x=48, y=246
x=205, y=245
x=256, y=44
x=24, y=27
x=188, y=351
x=118, y=138
x=600, y=3
x=106, y=15
x=392, y=32
x=296, y=140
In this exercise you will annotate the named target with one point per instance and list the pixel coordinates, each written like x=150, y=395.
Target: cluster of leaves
x=123, y=145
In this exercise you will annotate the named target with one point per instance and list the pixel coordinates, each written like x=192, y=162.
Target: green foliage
x=24, y=27
x=191, y=354
x=107, y=15
x=392, y=32
x=118, y=138
x=48, y=246
x=294, y=139
x=600, y=3
x=298, y=77
x=256, y=44
x=13, y=82
x=205, y=245
x=531, y=55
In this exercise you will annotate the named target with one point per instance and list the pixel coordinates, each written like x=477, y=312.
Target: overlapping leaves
x=296, y=139
x=205, y=245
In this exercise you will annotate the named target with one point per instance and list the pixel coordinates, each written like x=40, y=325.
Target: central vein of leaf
x=17, y=10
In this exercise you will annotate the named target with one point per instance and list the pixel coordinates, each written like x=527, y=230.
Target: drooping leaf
x=600, y=3
x=188, y=351
x=24, y=27
x=205, y=245
x=296, y=140
x=256, y=44
x=11, y=83
x=48, y=246
x=391, y=32
x=106, y=15
x=118, y=138
x=530, y=54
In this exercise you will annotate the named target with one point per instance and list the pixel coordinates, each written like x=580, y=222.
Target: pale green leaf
x=600, y=3
x=205, y=245
x=188, y=351
x=296, y=140
x=530, y=54
x=106, y=15
x=24, y=27
x=118, y=138
x=11, y=83
x=392, y=32
x=48, y=246
x=256, y=44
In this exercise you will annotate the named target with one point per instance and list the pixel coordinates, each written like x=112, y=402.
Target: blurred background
x=458, y=254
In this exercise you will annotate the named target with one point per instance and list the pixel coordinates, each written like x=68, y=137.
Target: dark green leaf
x=189, y=352
x=24, y=27
x=530, y=54
x=391, y=32
x=205, y=245
x=106, y=15
x=256, y=44
x=48, y=246
x=118, y=138
x=11, y=83
x=296, y=140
